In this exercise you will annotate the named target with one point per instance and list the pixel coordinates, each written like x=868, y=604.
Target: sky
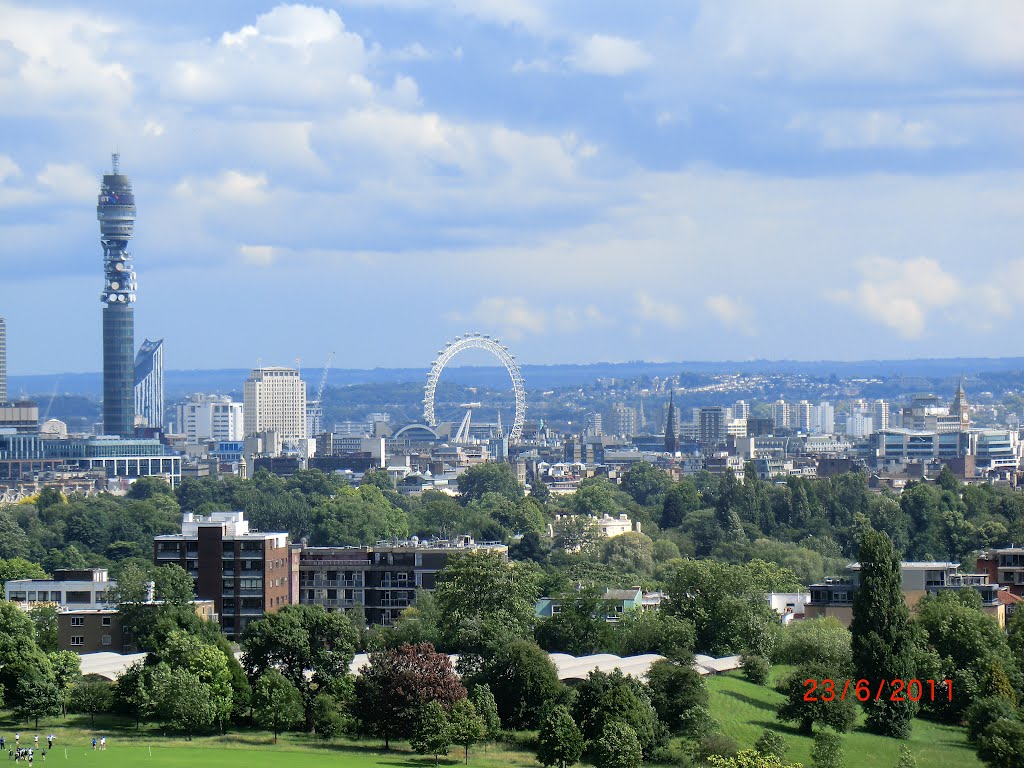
x=587, y=180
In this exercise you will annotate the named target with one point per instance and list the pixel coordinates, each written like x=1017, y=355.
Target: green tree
x=186, y=652
x=984, y=711
x=38, y=697
x=771, y=743
x=66, y=667
x=433, y=732
x=631, y=552
x=378, y=477
x=276, y=703
x=824, y=639
x=523, y=679
x=20, y=568
x=147, y=487
x=92, y=696
x=1001, y=744
x=829, y=707
x=173, y=585
x=579, y=628
x=466, y=725
x=45, y=619
x=297, y=639
x=617, y=747
x=182, y=700
x=638, y=632
x=827, y=751
x=490, y=477
x=907, y=759
x=881, y=638
x=756, y=669
x=677, y=693
x=487, y=708
x=328, y=721
x=480, y=593
x=560, y=741
x=613, y=697
x=133, y=693
x=539, y=491
x=645, y=483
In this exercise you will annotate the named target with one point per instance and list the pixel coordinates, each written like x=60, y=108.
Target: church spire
x=671, y=432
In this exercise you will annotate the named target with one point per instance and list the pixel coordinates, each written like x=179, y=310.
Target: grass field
x=127, y=748
x=744, y=710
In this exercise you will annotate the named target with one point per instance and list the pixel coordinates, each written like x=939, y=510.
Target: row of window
x=78, y=640
x=79, y=621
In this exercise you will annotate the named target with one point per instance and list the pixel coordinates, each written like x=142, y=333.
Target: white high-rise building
x=823, y=419
x=780, y=414
x=275, y=400
x=593, y=425
x=880, y=414
x=800, y=416
x=741, y=409
x=859, y=425
x=211, y=417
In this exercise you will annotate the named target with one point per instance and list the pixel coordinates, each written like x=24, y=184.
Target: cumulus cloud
x=732, y=313
x=609, y=55
x=293, y=55
x=659, y=312
x=69, y=181
x=902, y=294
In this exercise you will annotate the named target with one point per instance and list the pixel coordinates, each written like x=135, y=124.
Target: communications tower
x=116, y=213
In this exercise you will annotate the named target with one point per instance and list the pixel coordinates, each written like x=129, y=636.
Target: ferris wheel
x=485, y=342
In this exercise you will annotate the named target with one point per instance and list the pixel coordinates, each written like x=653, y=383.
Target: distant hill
x=179, y=383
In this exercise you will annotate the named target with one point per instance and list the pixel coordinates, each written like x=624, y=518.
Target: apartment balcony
x=392, y=604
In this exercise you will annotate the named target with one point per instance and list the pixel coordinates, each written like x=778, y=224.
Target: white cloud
x=807, y=40
x=231, y=186
x=258, y=255
x=512, y=316
x=902, y=294
x=8, y=169
x=609, y=55
x=294, y=55
x=872, y=129
x=659, y=312
x=153, y=128
x=69, y=181
x=732, y=313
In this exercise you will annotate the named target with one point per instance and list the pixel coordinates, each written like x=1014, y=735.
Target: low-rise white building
x=82, y=588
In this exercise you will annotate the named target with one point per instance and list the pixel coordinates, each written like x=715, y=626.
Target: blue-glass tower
x=116, y=213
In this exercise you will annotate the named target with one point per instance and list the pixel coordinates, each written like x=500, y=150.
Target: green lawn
x=127, y=748
x=744, y=710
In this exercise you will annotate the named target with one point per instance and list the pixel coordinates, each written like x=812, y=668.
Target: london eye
x=493, y=346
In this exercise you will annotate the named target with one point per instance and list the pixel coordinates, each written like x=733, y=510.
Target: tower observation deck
x=116, y=213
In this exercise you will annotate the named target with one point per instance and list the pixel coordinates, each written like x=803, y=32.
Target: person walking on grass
x=49, y=741
x=94, y=742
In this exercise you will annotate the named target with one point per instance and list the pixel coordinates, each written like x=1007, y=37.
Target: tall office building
x=780, y=414
x=275, y=400
x=593, y=425
x=116, y=213
x=625, y=420
x=3, y=361
x=149, y=384
x=880, y=414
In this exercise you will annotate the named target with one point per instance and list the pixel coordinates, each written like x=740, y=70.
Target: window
x=77, y=640
x=105, y=640
x=78, y=621
x=105, y=621
x=78, y=597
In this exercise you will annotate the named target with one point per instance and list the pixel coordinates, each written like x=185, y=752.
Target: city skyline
x=715, y=181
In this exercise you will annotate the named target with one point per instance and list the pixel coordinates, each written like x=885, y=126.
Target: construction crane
x=314, y=408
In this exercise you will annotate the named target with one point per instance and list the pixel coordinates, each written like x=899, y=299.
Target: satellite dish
x=112, y=297
x=121, y=297
x=119, y=266
x=115, y=286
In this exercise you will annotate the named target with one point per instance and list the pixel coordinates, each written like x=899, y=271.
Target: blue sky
x=590, y=181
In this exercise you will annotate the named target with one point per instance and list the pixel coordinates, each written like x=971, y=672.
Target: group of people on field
x=17, y=753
